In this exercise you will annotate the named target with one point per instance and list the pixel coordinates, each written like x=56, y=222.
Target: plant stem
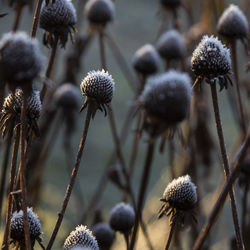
x=19, y=9
x=226, y=165
x=91, y=107
x=170, y=235
x=143, y=187
x=244, y=209
x=126, y=237
x=102, y=49
x=223, y=195
x=36, y=18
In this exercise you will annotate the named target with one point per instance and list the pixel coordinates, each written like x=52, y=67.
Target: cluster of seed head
x=171, y=45
x=81, y=238
x=122, y=217
x=146, y=60
x=233, y=23
x=100, y=11
x=58, y=19
x=20, y=59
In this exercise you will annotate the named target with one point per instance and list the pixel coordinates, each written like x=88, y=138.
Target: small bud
x=171, y=45
x=81, y=237
x=233, y=23
x=100, y=11
x=146, y=60
x=20, y=59
x=122, y=217
x=171, y=3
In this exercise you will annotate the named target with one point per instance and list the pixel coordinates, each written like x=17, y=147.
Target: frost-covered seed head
x=146, y=60
x=20, y=58
x=98, y=85
x=58, y=19
x=100, y=11
x=167, y=97
x=104, y=235
x=122, y=217
x=67, y=96
x=171, y=45
x=81, y=237
x=17, y=226
x=181, y=193
x=233, y=23
x=171, y=3
x=211, y=58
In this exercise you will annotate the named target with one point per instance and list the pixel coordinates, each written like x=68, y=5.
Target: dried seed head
x=104, y=235
x=146, y=60
x=167, y=97
x=233, y=23
x=17, y=226
x=81, y=237
x=100, y=11
x=181, y=193
x=20, y=59
x=122, y=217
x=171, y=3
x=58, y=19
x=171, y=45
x=67, y=96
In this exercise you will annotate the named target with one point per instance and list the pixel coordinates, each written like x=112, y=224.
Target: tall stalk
x=36, y=18
x=171, y=233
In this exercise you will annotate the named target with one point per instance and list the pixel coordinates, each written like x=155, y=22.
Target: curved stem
x=36, y=18
x=170, y=235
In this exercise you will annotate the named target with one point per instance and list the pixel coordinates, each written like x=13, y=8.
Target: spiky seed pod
x=104, y=235
x=67, y=96
x=146, y=60
x=99, y=11
x=171, y=45
x=233, y=23
x=122, y=217
x=20, y=59
x=211, y=60
x=58, y=19
x=170, y=4
x=81, y=237
x=166, y=98
x=17, y=226
x=11, y=111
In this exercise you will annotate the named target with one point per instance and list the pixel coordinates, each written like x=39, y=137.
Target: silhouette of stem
x=170, y=235
x=36, y=18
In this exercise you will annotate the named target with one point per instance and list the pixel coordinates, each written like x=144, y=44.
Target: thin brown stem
x=102, y=49
x=18, y=13
x=217, y=208
x=36, y=18
x=126, y=238
x=238, y=234
x=91, y=107
x=170, y=235
x=244, y=209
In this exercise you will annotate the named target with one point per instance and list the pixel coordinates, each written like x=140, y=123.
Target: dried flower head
x=81, y=237
x=170, y=4
x=20, y=59
x=58, y=19
x=104, y=234
x=211, y=61
x=179, y=196
x=100, y=11
x=11, y=111
x=171, y=45
x=122, y=217
x=17, y=227
x=233, y=23
x=98, y=86
x=146, y=60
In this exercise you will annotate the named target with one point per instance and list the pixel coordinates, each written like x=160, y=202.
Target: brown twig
x=19, y=9
x=171, y=233
x=244, y=209
x=36, y=18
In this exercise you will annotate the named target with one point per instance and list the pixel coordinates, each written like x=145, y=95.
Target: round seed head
x=58, y=19
x=81, y=237
x=211, y=58
x=171, y=45
x=233, y=23
x=67, y=96
x=100, y=11
x=171, y=3
x=17, y=226
x=20, y=59
x=122, y=217
x=181, y=193
x=146, y=60
x=167, y=97
x=98, y=85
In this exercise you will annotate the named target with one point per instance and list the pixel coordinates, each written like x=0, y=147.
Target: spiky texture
x=146, y=60
x=81, y=237
x=233, y=23
x=122, y=217
x=171, y=45
x=100, y=11
x=58, y=19
x=20, y=59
